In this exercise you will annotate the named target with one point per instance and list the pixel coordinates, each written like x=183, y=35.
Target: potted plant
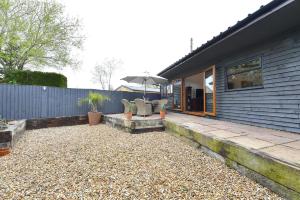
x=94, y=100
x=128, y=115
x=162, y=111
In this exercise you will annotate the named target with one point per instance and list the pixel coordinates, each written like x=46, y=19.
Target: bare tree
x=103, y=72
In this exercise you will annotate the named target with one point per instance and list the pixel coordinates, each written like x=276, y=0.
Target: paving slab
x=285, y=134
x=284, y=153
x=224, y=134
x=199, y=127
x=270, y=138
x=295, y=144
x=221, y=126
x=237, y=130
x=250, y=142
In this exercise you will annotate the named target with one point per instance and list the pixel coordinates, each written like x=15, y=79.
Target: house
x=130, y=88
x=250, y=73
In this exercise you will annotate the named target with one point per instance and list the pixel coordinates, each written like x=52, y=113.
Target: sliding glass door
x=195, y=94
x=210, y=92
x=177, y=94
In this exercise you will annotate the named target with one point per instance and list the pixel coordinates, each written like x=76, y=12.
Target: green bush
x=27, y=77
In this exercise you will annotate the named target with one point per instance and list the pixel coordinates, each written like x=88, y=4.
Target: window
x=169, y=89
x=163, y=90
x=245, y=75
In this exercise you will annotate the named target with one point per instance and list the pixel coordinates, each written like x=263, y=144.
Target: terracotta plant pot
x=4, y=151
x=162, y=114
x=94, y=118
x=128, y=115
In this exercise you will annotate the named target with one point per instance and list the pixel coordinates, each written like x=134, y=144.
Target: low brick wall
x=56, y=122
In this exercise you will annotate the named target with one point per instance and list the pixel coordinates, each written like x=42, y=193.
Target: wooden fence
x=34, y=102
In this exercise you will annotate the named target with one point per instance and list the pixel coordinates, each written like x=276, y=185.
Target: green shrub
x=94, y=99
x=27, y=77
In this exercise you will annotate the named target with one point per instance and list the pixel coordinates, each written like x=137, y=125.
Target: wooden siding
x=275, y=105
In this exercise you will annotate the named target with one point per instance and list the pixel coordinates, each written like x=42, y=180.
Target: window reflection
x=245, y=75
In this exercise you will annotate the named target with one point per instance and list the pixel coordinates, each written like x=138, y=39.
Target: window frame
x=243, y=62
x=163, y=90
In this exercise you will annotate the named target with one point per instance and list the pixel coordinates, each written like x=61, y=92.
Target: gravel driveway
x=83, y=162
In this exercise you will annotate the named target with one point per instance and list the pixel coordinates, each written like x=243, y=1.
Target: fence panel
x=33, y=102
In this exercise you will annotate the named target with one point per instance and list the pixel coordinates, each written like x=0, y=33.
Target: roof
x=251, y=19
x=139, y=88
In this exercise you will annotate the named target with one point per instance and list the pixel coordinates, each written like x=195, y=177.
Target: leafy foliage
x=35, y=78
x=3, y=124
x=163, y=107
x=94, y=99
x=131, y=107
x=36, y=33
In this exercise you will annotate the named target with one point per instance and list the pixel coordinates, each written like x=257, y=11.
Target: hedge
x=26, y=77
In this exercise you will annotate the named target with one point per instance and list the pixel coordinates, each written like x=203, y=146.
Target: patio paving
x=270, y=157
x=281, y=145
x=99, y=162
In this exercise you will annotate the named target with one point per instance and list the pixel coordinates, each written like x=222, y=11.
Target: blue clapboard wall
x=277, y=103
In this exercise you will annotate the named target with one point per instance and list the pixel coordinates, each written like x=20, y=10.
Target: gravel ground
x=83, y=162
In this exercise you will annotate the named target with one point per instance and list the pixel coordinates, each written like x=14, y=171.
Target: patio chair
x=126, y=103
x=156, y=106
x=158, y=103
x=143, y=109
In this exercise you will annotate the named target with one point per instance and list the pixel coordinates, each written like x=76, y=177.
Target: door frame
x=183, y=95
x=213, y=113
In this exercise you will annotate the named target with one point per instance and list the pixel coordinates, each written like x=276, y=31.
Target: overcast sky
x=147, y=35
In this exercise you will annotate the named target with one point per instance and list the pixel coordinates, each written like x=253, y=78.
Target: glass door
x=193, y=93
x=177, y=94
x=210, y=92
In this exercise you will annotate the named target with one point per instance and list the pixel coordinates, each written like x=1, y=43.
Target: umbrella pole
x=145, y=92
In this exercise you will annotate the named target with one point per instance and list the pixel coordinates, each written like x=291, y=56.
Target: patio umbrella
x=145, y=79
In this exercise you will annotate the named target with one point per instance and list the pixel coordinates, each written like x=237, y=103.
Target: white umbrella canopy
x=145, y=79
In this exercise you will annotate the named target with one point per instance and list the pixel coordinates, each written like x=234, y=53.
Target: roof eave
x=231, y=31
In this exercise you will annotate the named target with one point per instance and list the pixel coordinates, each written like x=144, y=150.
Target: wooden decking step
x=136, y=125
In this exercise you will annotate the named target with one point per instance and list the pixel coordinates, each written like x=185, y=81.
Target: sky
x=147, y=35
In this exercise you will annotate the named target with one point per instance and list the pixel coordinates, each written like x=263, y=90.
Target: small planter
x=162, y=114
x=4, y=151
x=128, y=115
x=94, y=100
x=94, y=118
